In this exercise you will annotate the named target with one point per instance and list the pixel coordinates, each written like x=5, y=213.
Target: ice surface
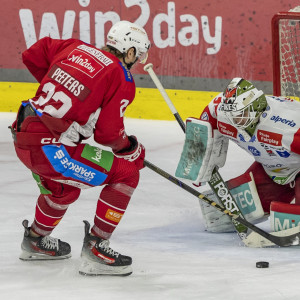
x=173, y=256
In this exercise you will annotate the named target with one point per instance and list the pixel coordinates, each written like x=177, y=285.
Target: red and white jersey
x=276, y=141
x=83, y=91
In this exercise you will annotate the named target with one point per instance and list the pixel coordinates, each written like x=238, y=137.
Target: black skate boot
x=97, y=258
x=43, y=247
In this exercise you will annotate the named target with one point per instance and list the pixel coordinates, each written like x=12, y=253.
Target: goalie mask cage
x=286, y=54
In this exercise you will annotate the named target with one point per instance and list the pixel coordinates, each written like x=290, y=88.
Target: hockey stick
x=282, y=241
x=216, y=182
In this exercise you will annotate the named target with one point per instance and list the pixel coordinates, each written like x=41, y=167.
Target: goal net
x=286, y=53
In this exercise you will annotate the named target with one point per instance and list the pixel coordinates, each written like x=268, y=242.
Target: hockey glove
x=135, y=153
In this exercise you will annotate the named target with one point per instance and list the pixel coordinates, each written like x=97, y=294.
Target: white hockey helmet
x=124, y=35
x=243, y=104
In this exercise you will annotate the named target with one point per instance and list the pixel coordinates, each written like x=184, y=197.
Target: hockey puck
x=262, y=264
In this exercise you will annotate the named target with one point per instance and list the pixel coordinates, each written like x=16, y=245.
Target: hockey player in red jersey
x=83, y=93
x=268, y=128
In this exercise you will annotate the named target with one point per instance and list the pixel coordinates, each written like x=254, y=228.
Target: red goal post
x=286, y=53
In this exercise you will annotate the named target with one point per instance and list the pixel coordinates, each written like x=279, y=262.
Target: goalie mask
x=124, y=35
x=243, y=104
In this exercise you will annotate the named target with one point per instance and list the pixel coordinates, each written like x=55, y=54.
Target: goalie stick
x=256, y=240
x=216, y=182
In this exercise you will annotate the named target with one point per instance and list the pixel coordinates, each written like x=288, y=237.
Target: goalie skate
x=97, y=258
x=43, y=247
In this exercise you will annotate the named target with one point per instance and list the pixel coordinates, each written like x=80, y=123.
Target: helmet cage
x=244, y=111
x=244, y=117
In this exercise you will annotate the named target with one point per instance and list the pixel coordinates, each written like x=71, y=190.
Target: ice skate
x=43, y=248
x=97, y=258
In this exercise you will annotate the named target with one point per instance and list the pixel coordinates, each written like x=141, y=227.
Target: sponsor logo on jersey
x=279, y=180
x=204, y=116
x=242, y=138
x=281, y=99
x=254, y=151
x=270, y=138
x=83, y=62
x=268, y=149
x=277, y=119
x=227, y=129
x=283, y=154
x=68, y=167
x=253, y=139
x=97, y=54
x=272, y=166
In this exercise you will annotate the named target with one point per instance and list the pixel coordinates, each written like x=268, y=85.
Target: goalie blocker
x=203, y=150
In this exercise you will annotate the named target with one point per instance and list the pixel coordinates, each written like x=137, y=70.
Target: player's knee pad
x=57, y=192
x=284, y=216
x=69, y=196
x=127, y=173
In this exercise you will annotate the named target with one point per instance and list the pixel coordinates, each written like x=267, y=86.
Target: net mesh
x=289, y=35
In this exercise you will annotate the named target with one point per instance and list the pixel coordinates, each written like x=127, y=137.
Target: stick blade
x=283, y=238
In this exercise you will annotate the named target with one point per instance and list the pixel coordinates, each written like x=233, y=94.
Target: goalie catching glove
x=134, y=153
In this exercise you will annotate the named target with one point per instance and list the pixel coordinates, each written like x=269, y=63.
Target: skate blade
x=29, y=256
x=90, y=268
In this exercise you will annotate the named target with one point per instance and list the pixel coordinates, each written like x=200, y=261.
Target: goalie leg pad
x=244, y=191
x=284, y=216
x=214, y=220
